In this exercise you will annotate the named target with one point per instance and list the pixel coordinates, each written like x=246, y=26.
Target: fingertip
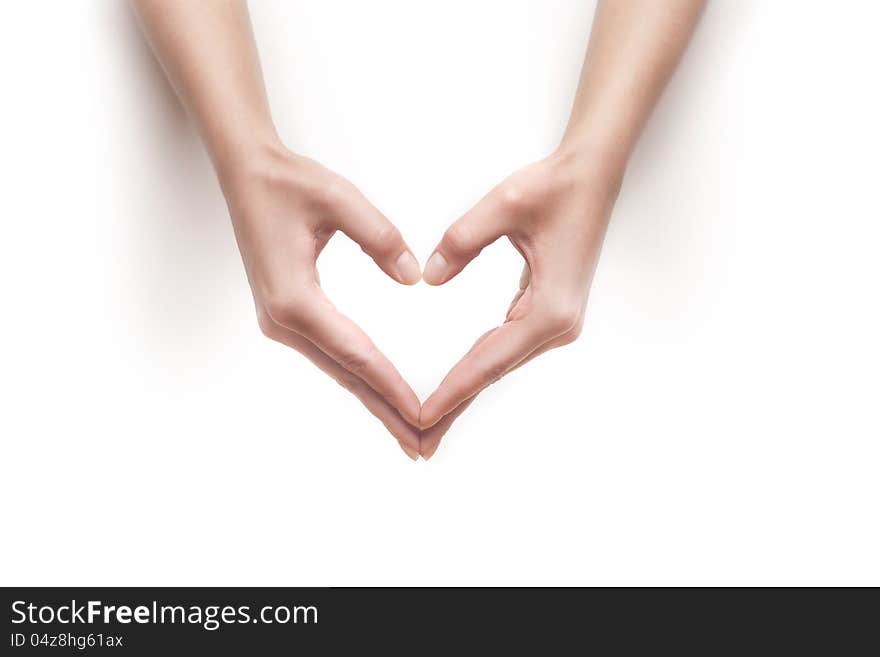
x=436, y=269
x=411, y=409
x=428, y=417
x=431, y=448
x=407, y=269
x=407, y=405
x=409, y=451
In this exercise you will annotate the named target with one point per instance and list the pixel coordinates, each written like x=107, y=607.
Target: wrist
x=256, y=160
x=586, y=163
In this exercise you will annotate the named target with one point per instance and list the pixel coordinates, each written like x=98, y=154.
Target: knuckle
x=357, y=361
x=512, y=196
x=457, y=239
x=386, y=239
x=562, y=317
x=571, y=335
x=525, y=192
x=349, y=382
x=267, y=326
x=517, y=197
x=332, y=190
x=285, y=309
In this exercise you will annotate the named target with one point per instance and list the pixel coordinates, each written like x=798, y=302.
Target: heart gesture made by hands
x=285, y=208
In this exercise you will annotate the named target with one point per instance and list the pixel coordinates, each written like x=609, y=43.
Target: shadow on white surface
x=180, y=249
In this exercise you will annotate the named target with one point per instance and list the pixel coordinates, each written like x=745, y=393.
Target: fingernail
x=408, y=269
x=429, y=452
x=427, y=421
x=435, y=270
x=410, y=452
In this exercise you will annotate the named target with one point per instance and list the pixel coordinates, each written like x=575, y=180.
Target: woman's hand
x=285, y=208
x=555, y=213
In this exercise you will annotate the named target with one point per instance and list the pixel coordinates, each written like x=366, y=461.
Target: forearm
x=555, y=210
x=634, y=47
x=207, y=50
x=284, y=207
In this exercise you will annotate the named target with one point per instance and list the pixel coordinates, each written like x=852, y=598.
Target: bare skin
x=555, y=211
x=285, y=207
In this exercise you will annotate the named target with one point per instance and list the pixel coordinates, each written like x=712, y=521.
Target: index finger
x=430, y=438
x=346, y=343
x=489, y=360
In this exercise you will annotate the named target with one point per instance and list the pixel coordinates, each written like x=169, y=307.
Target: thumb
x=463, y=241
x=380, y=240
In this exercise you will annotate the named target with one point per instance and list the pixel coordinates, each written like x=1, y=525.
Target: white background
x=717, y=423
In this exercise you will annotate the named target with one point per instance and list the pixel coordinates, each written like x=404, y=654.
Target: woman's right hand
x=285, y=208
